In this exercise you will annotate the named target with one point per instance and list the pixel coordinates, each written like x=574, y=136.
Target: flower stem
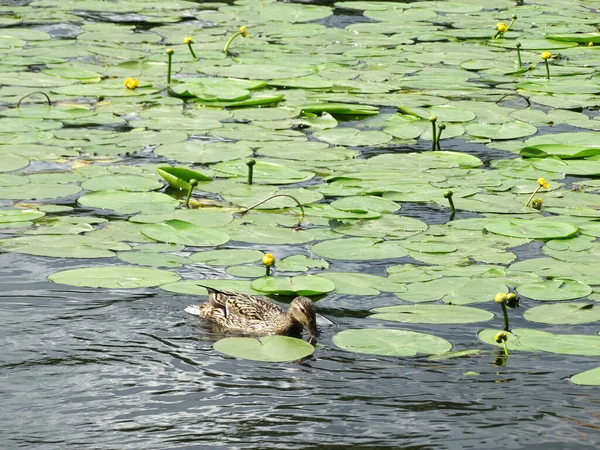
x=513, y=18
x=169, y=55
x=268, y=274
x=532, y=195
x=448, y=195
x=233, y=36
x=191, y=50
x=547, y=69
x=505, y=348
x=277, y=195
x=519, y=61
x=441, y=127
x=33, y=93
x=193, y=182
x=250, y=163
x=505, y=313
x=433, y=120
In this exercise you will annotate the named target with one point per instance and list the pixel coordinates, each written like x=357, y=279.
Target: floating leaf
x=300, y=285
x=532, y=229
x=114, y=277
x=377, y=341
x=588, y=378
x=555, y=289
x=227, y=257
x=564, y=313
x=265, y=348
x=447, y=314
x=181, y=232
x=60, y=246
x=361, y=283
x=455, y=290
x=537, y=340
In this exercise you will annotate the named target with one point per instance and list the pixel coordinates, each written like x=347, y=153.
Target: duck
x=256, y=315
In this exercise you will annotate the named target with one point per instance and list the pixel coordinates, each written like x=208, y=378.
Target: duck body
x=249, y=314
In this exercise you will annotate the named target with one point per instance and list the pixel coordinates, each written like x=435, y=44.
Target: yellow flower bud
x=590, y=44
x=131, y=83
x=500, y=297
x=546, y=55
x=268, y=260
x=243, y=31
x=188, y=40
x=432, y=118
x=169, y=51
x=500, y=337
x=542, y=182
x=501, y=27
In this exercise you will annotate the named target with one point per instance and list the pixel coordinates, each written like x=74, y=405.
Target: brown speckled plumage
x=250, y=314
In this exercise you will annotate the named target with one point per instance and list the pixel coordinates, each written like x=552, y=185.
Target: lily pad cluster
x=338, y=120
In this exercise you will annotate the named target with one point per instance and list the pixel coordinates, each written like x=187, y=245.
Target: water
x=107, y=369
x=89, y=368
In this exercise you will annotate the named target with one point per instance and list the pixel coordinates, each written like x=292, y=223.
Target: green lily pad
x=227, y=257
x=265, y=348
x=361, y=283
x=555, y=289
x=564, y=313
x=122, y=183
x=125, y=202
x=447, y=314
x=19, y=215
x=358, y=249
x=114, y=277
x=532, y=229
x=536, y=340
x=182, y=232
x=455, y=290
x=12, y=162
x=588, y=378
x=264, y=172
x=377, y=341
x=300, y=285
x=153, y=259
x=180, y=177
x=60, y=246
x=366, y=203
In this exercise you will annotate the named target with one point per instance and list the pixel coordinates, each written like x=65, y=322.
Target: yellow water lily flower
x=268, y=260
x=188, y=40
x=500, y=297
x=131, y=83
x=243, y=31
x=542, y=182
x=546, y=55
x=500, y=337
x=501, y=27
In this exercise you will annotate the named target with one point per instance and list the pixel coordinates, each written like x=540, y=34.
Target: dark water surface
x=130, y=370
x=106, y=369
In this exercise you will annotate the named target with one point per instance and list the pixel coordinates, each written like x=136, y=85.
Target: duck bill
x=312, y=330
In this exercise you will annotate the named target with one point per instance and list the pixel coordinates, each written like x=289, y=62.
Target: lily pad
x=555, y=289
x=300, y=285
x=536, y=340
x=564, y=313
x=588, y=378
x=532, y=229
x=227, y=257
x=60, y=246
x=447, y=314
x=377, y=341
x=114, y=277
x=182, y=232
x=265, y=348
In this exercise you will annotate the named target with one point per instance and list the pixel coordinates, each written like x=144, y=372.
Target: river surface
x=89, y=368
x=107, y=369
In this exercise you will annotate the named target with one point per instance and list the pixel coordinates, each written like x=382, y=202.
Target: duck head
x=302, y=310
